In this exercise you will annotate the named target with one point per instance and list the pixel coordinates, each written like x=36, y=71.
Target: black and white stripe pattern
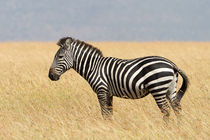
x=130, y=79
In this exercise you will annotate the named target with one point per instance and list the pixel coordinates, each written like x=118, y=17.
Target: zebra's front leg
x=105, y=101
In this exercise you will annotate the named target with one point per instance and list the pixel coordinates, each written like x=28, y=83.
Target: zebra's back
x=136, y=78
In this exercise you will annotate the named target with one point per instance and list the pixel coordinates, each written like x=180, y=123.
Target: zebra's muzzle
x=53, y=76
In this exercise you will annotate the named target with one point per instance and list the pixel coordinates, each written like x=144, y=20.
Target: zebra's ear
x=68, y=43
x=61, y=42
x=65, y=42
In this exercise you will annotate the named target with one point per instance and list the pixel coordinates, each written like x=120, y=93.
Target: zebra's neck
x=86, y=58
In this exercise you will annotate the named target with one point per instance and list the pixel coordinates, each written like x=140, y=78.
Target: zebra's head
x=63, y=59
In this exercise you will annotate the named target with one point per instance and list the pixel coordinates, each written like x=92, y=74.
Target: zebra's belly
x=126, y=94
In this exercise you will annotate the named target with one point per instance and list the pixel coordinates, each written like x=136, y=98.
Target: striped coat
x=129, y=79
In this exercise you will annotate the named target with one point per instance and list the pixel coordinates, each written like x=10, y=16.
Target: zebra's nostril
x=50, y=75
x=53, y=76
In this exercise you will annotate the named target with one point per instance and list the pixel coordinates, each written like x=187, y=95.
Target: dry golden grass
x=33, y=107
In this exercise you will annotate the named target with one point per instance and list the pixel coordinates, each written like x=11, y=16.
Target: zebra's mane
x=86, y=45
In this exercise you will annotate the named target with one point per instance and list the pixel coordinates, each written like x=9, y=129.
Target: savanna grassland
x=33, y=107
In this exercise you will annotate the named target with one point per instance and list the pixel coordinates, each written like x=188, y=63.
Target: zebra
x=129, y=79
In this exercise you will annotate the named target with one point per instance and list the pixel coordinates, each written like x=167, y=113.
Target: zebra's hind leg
x=171, y=96
x=160, y=98
x=106, y=101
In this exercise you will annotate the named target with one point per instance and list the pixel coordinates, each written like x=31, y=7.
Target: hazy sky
x=105, y=20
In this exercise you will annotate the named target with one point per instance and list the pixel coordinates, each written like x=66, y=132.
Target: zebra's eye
x=60, y=56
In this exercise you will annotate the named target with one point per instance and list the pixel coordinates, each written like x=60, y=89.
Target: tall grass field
x=33, y=107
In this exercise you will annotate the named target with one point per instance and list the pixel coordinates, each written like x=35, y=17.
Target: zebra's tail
x=185, y=82
x=184, y=86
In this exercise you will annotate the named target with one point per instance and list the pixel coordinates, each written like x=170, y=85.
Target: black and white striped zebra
x=130, y=79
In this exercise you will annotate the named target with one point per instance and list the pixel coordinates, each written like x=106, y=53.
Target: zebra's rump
x=136, y=78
